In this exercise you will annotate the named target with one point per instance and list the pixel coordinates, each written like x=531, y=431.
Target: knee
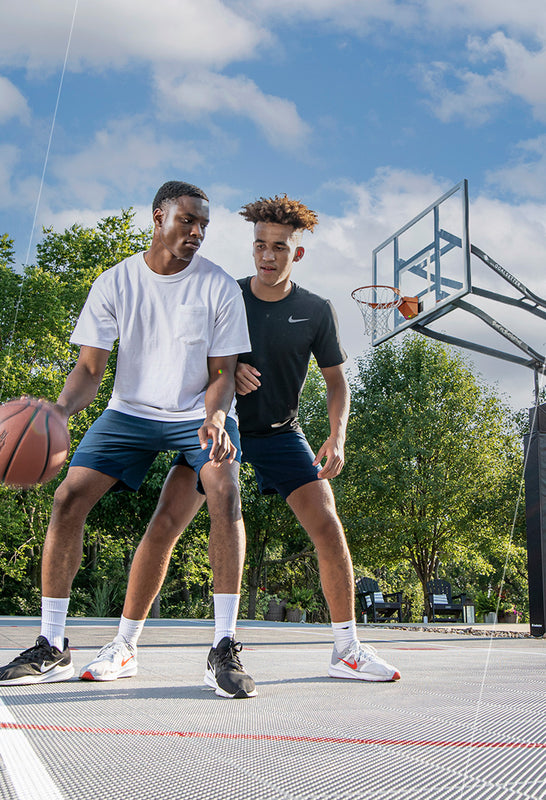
x=329, y=536
x=164, y=525
x=69, y=499
x=223, y=498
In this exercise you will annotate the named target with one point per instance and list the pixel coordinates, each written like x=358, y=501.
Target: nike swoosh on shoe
x=352, y=665
x=44, y=668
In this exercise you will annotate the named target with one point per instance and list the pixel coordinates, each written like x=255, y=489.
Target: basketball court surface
x=467, y=719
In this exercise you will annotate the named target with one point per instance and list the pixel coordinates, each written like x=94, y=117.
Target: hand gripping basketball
x=34, y=442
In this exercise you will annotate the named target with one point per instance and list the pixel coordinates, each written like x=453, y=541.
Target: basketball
x=34, y=442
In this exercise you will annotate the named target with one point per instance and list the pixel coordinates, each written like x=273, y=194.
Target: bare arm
x=82, y=383
x=338, y=401
x=218, y=398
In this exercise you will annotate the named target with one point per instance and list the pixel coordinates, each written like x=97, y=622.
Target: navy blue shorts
x=282, y=463
x=124, y=446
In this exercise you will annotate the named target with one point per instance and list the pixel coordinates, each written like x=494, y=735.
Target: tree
x=38, y=310
x=431, y=461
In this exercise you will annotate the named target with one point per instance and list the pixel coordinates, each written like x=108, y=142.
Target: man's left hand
x=222, y=448
x=333, y=452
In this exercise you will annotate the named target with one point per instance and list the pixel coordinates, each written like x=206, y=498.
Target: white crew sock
x=130, y=630
x=54, y=611
x=344, y=634
x=226, y=608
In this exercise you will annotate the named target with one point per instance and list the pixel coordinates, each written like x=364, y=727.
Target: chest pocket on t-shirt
x=190, y=324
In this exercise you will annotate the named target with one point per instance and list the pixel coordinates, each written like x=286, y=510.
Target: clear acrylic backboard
x=428, y=258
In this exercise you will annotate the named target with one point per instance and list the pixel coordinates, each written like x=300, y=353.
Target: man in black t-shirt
x=287, y=324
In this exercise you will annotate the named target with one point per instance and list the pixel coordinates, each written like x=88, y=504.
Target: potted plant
x=484, y=604
x=276, y=609
x=510, y=614
x=301, y=601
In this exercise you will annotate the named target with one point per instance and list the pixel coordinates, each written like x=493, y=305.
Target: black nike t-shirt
x=283, y=335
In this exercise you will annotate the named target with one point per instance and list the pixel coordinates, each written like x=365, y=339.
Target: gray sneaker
x=115, y=660
x=361, y=662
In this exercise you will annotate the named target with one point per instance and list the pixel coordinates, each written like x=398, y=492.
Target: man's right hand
x=246, y=378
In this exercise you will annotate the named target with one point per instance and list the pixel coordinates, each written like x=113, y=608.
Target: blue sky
x=367, y=110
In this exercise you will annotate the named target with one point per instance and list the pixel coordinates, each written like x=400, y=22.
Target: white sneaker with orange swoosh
x=115, y=660
x=361, y=662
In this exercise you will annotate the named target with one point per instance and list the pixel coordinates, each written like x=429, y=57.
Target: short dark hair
x=280, y=209
x=172, y=190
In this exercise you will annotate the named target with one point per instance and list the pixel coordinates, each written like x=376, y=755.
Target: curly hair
x=282, y=210
x=172, y=190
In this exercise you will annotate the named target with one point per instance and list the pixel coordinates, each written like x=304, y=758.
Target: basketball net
x=376, y=304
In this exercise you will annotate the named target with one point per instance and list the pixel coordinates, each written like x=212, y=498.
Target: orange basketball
x=34, y=442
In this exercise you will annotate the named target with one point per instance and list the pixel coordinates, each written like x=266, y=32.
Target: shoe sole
x=363, y=676
x=87, y=675
x=57, y=674
x=240, y=694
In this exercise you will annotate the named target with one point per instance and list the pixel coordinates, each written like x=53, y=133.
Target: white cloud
x=114, y=34
x=124, y=157
x=421, y=16
x=229, y=241
x=357, y=16
x=12, y=103
x=476, y=94
x=526, y=176
x=523, y=75
x=473, y=101
x=9, y=158
x=199, y=94
x=527, y=19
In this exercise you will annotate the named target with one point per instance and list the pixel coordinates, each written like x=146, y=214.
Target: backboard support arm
x=535, y=361
x=477, y=348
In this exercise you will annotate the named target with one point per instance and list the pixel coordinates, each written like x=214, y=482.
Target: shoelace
x=230, y=656
x=110, y=650
x=38, y=652
x=362, y=652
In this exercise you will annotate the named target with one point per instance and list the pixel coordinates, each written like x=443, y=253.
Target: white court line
x=28, y=775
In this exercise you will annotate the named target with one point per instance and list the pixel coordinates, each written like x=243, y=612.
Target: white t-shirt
x=167, y=326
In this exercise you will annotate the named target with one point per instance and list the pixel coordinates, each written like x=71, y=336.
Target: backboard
x=428, y=258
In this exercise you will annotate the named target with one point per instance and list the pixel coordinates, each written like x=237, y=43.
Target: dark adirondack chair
x=444, y=604
x=377, y=606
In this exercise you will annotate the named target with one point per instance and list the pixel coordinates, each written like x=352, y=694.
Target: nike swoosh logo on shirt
x=291, y=319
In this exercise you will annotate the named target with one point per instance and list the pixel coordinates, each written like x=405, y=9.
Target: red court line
x=266, y=737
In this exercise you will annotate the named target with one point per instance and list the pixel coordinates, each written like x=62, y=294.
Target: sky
x=365, y=110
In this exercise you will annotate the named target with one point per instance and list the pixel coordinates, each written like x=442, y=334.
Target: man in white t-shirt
x=180, y=321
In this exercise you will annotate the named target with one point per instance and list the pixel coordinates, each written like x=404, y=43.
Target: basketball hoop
x=376, y=304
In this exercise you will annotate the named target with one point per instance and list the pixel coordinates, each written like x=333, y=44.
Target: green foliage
x=433, y=460
x=303, y=597
x=38, y=310
x=484, y=603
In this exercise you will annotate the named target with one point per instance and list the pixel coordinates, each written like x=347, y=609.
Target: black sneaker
x=225, y=673
x=39, y=664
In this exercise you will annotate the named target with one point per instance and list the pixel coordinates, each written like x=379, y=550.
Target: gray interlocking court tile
x=467, y=719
